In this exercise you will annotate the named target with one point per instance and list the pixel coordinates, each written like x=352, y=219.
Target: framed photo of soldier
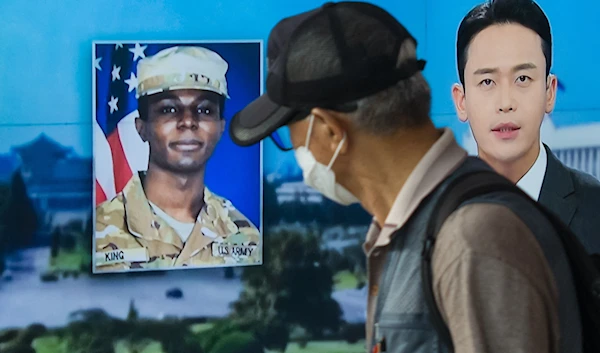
x=172, y=191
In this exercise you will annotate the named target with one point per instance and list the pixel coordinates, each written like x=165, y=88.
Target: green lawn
x=49, y=344
x=147, y=346
x=345, y=280
x=327, y=347
x=69, y=261
x=199, y=328
x=52, y=344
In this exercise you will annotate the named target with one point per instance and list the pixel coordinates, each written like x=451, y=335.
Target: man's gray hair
x=403, y=105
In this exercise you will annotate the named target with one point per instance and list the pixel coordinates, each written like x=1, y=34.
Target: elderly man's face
x=182, y=129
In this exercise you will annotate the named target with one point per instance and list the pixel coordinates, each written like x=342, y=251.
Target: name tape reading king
x=121, y=255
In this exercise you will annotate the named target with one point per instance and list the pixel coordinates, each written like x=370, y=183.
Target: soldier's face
x=182, y=129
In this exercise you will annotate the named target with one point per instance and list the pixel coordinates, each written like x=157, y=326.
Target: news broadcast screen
x=125, y=231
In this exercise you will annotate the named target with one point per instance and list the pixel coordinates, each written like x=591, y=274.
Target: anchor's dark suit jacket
x=575, y=197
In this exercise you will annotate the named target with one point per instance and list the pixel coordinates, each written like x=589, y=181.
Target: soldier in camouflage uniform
x=181, y=94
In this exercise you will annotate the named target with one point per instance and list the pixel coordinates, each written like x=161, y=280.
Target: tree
x=292, y=288
x=271, y=212
x=86, y=244
x=132, y=315
x=228, y=272
x=22, y=222
x=4, y=204
x=55, y=242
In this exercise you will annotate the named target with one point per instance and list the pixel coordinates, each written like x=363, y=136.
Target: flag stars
x=132, y=82
x=116, y=72
x=113, y=104
x=97, y=64
x=118, y=45
x=138, y=51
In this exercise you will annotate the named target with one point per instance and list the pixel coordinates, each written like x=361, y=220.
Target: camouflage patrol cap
x=182, y=67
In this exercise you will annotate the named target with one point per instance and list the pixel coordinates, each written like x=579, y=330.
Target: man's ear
x=140, y=126
x=330, y=126
x=458, y=96
x=551, y=89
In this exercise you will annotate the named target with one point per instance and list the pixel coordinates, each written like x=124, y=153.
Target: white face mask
x=321, y=177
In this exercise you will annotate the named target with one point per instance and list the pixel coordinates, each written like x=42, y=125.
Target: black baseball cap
x=361, y=74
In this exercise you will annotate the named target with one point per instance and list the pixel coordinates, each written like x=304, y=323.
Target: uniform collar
x=141, y=220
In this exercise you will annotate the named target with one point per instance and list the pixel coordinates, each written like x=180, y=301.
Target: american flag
x=118, y=150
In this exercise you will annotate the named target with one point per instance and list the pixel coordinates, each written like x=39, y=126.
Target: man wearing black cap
x=345, y=80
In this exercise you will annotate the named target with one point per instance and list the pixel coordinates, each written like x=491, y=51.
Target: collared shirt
x=442, y=158
x=477, y=272
x=532, y=181
x=130, y=234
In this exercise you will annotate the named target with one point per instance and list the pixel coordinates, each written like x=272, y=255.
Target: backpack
x=585, y=267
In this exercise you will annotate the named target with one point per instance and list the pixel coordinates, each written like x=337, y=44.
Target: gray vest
x=401, y=314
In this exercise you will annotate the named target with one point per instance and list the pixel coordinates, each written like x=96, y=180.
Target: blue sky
x=46, y=61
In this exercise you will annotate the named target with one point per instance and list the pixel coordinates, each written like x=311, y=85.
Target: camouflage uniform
x=130, y=235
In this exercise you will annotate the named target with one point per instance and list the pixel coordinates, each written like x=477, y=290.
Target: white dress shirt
x=532, y=181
